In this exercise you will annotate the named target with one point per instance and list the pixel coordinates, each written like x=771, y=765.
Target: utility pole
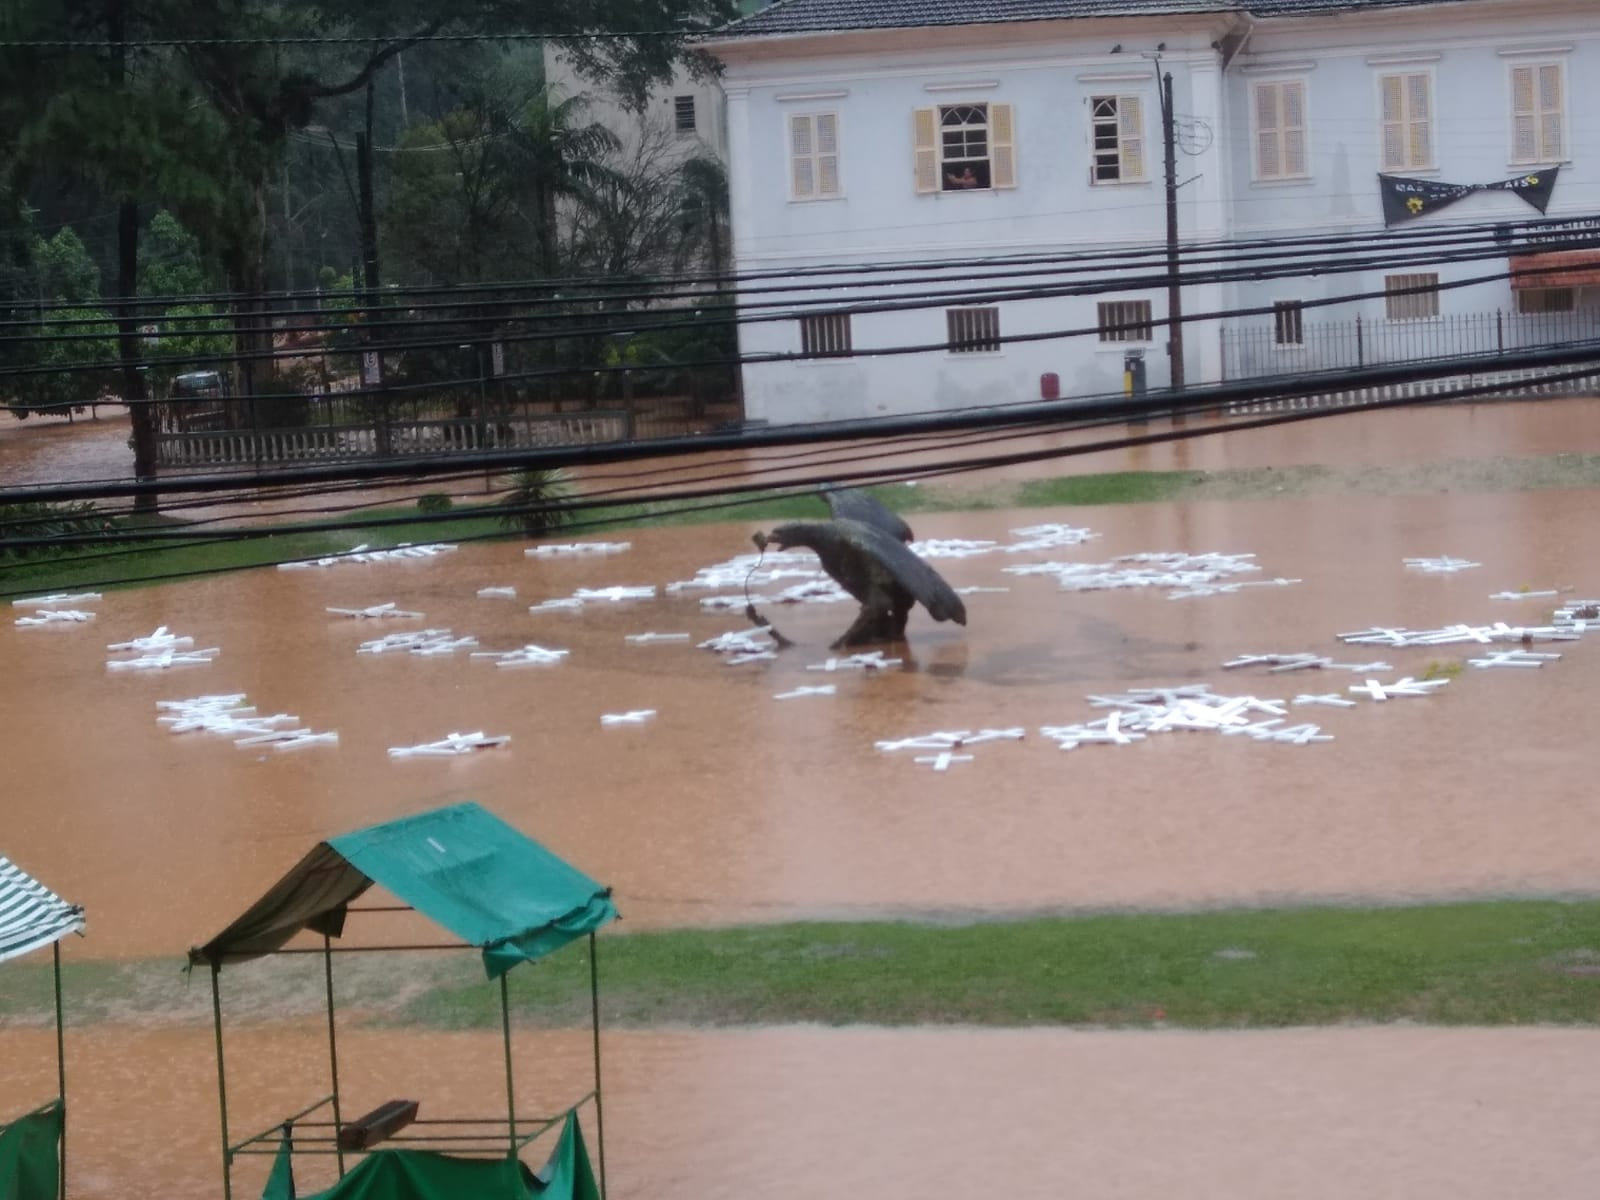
x=1174, y=289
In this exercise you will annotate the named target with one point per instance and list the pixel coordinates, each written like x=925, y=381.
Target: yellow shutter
x=1002, y=146
x=1550, y=115
x=1130, y=137
x=925, y=124
x=1419, y=139
x=827, y=154
x=802, y=167
x=1269, y=163
x=1294, y=129
x=1394, y=142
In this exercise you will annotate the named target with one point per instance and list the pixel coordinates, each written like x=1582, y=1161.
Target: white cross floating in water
x=646, y=638
x=576, y=548
x=450, y=745
x=1404, y=687
x=55, y=616
x=1514, y=658
x=497, y=593
x=618, y=592
x=54, y=598
x=564, y=604
x=1521, y=595
x=375, y=610
x=1360, y=668
x=1331, y=699
x=750, y=656
x=942, y=760
x=637, y=717
x=1440, y=566
x=992, y=735
x=871, y=661
x=826, y=689
x=927, y=741
x=529, y=655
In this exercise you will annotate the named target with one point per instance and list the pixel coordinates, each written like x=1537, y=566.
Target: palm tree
x=703, y=201
x=564, y=161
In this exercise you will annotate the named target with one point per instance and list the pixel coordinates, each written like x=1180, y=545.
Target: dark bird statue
x=865, y=553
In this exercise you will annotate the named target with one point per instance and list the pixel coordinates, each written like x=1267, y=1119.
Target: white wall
x=1047, y=72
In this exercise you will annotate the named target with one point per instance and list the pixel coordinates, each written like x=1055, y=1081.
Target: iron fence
x=1281, y=347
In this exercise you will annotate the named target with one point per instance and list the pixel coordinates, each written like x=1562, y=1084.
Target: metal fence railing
x=1258, y=349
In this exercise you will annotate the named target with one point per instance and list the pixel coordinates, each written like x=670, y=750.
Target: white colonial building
x=956, y=154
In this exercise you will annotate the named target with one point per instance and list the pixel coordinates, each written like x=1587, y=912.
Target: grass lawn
x=1502, y=962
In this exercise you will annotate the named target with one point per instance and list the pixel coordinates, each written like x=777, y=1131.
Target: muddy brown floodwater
x=733, y=805
x=800, y=1113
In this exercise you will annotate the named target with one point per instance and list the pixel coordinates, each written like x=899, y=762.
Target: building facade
x=919, y=193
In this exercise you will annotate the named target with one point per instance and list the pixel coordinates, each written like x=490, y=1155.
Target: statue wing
x=912, y=573
x=852, y=504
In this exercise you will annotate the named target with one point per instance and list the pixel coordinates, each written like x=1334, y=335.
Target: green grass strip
x=1501, y=962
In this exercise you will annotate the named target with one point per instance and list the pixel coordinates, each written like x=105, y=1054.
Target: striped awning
x=31, y=915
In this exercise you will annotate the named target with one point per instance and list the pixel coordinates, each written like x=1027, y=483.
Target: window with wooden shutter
x=925, y=123
x=814, y=156
x=1538, y=114
x=1411, y=297
x=1002, y=146
x=1117, y=133
x=973, y=330
x=825, y=334
x=1407, y=120
x=1280, y=108
x=965, y=147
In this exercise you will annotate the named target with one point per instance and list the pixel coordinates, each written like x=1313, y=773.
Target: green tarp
x=428, y=1175
x=461, y=866
x=30, y=1155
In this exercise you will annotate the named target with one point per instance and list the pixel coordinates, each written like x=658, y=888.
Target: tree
x=564, y=161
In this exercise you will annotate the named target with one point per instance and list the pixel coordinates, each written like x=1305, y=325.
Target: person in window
x=966, y=179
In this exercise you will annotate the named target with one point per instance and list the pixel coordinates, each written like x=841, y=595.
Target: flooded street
x=796, y=1113
x=748, y=796
x=731, y=804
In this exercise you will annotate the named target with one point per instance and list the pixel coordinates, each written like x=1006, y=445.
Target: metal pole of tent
x=222, y=1080
x=505, y=1029
x=333, y=1048
x=61, y=1072
x=599, y=1108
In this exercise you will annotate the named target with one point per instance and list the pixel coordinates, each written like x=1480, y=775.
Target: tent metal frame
x=519, y=1132
x=61, y=1074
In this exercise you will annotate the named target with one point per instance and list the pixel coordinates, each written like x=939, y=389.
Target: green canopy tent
x=33, y=1148
x=492, y=887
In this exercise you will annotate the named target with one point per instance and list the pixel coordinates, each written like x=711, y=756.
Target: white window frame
x=1287, y=138
x=1404, y=124
x=982, y=335
x=1412, y=306
x=933, y=168
x=1540, y=132
x=1126, y=138
x=1120, y=322
x=814, y=163
x=826, y=335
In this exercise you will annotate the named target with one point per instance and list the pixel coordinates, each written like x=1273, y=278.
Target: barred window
x=1546, y=300
x=683, y=113
x=1125, y=321
x=1287, y=328
x=825, y=333
x=1405, y=302
x=973, y=330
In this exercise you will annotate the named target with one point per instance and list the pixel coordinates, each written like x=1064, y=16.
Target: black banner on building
x=1405, y=198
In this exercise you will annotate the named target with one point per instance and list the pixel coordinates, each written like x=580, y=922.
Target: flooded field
x=733, y=804
x=797, y=1113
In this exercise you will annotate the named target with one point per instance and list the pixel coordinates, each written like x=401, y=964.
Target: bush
x=537, y=501
x=33, y=521
x=434, y=502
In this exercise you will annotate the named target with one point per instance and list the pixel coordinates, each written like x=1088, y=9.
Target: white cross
x=826, y=689
x=1513, y=658
x=643, y=638
x=497, y=593
x=636, y=717
x=1404, y=687
x=1520, y=595
x=55, y=616
x=565, y=604
x=942, y=760
x=618, y=592
x=1332, y=699
x=55, y=598
x=927, y=741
